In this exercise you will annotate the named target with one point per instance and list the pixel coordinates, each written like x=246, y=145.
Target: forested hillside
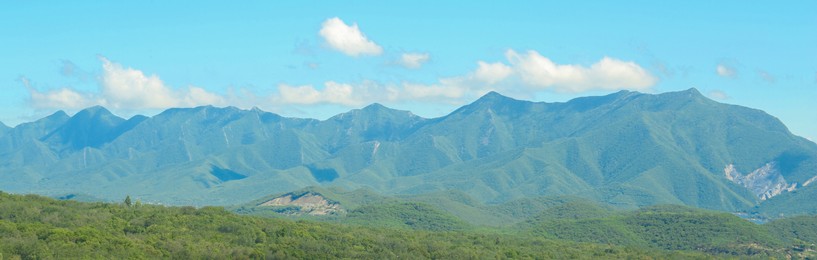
x=33, y=227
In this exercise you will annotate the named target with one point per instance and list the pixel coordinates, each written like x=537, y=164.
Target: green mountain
x=626, y=150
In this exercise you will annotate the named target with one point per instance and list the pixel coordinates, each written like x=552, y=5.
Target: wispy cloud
x=63, y=98
x=347, y=39
x=726, y=71
x=719, y=95
x=765, y=76
x=332, y=93
x=413, y=60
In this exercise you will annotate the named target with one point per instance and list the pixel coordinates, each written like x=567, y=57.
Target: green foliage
x=700, y=230
x=801, y=230
x=33, y=227
x=680, y=228
x=410, y=215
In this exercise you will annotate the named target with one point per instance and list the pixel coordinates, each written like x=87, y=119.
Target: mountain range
x=625, y=150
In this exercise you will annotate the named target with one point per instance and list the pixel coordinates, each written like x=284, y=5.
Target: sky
x=320, y=58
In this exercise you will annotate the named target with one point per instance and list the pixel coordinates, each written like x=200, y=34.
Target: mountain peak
x=688, y=94
x=92, y=127
x=496, y=102
x=375, y=107
x=95, y=111
x=374, y=110
x=58, y=114
x=493, y=98
x=692, y=90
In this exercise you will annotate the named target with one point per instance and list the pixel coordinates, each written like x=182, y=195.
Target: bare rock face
x=765, y=182
x=304, y=204
x=809, y=181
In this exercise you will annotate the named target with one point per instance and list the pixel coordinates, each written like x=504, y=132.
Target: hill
x=666, y=227
x=33, y=227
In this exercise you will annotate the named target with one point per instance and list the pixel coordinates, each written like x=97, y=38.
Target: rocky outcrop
x=308, y=203
x=765, y=182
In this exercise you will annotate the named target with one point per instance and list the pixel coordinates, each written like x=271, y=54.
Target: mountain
x=90, y=127
x=625, y=150
x=3, y=128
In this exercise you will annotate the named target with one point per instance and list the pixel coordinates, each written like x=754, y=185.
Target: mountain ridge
x=626, y=149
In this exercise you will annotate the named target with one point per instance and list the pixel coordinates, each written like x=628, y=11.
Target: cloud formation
x=347, y=39
x=726, y=71
x=540, y=72
x=126, y=90
x=413, y=60
x=123, y=88
x=492, y=72
x=131, y=88
x=523, y=73
x=63, y=98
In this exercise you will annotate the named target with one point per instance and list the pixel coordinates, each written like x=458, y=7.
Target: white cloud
x=492, y=72
x=450, y=91
x=532, y=70
x=348, y=39
x=196, y=96
x=123, y=89
x=719, y=95
x=130, y=88
x=336, y=93
x=540, y=72
x=413, y=60
x=726, y=71
x=127, y=90
x=63, y=98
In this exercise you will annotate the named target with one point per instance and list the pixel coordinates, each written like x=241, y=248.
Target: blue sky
x=317, y=59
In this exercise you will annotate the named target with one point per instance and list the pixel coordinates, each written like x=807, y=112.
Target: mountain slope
x=626, y=149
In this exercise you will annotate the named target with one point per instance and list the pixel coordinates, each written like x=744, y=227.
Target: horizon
x=73, y=113
x=136, y=58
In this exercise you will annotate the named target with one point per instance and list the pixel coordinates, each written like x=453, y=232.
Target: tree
x=127, y=201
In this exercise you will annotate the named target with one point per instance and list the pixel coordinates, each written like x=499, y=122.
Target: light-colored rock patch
x=765, y=182
x=306, y=204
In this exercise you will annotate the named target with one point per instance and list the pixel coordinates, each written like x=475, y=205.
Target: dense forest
x=34, y=227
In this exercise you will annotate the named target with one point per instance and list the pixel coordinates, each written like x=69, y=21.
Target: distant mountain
x=626, y=150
